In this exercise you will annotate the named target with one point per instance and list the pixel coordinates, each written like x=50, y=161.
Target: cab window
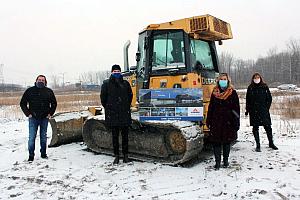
x=168, y=50
x=200, y=52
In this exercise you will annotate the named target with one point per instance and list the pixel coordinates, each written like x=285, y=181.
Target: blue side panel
x=171, y=104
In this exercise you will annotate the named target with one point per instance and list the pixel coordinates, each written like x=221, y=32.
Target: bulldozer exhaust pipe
x=125, y=51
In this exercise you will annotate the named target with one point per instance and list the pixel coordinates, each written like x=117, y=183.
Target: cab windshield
x=168, y=50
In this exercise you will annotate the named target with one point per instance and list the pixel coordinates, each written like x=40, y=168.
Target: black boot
x=271, y=145
x=44, y=156
x=125, y=158
x=217, y=152
x=31, y=158
x=270, y=137
x=256, y=137
x=116, y=160
x=226, y=151
x=217, y=165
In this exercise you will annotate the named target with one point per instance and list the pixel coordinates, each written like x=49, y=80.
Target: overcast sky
x=55, y=37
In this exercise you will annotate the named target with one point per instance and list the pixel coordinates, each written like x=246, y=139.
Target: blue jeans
x=33, y=127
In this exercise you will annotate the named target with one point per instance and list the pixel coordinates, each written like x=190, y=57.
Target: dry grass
x=77, y=101
x=287, y=108
x=285, y=103
x=10, y=98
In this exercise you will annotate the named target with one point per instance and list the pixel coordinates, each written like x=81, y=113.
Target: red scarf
x=222, y=95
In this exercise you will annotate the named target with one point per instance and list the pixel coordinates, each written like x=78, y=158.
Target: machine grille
x=198, y=24
x=220, y=26
x=210, y=27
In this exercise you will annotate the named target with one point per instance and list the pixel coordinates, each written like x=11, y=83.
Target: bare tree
x=226, y=62
x=54, y=81
x=272, y=64
x=276, y=67
x=293, y=46
x=94, y=77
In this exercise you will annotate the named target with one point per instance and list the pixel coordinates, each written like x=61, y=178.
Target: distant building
x=10, y=87
x=88, y=86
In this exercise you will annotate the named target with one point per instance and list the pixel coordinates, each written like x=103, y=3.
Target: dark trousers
x=268, y=130
x=217, y=152
x=115, y=139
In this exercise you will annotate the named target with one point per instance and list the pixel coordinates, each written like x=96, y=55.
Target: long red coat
x=223, y=118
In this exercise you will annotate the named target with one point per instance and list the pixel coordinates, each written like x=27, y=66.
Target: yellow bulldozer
x=177, y=54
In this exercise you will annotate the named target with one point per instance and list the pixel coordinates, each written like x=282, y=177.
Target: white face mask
x=256, y=80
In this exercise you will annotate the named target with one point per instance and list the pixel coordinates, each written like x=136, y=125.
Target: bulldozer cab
x=168, y=51
x=171, y=53
x=180, y=54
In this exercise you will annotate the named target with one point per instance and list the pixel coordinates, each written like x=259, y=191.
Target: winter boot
x=116, y=160
x=217, y=165
x=31, y=158
x=225, y=162
x=273, y=146
x=270, y=137
x=257, y=149
x=256, y=137
x=226, y=151
x=125, y=158
x=217, y=152
x=44, y=156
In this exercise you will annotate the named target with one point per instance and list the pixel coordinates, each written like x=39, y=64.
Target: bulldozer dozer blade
x=67, y=127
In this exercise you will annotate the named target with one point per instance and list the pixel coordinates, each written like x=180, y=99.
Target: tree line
x=277, y=67
x=86, y=78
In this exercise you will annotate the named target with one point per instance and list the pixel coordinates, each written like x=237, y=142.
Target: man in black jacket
x=116, y=97
x=38, y=104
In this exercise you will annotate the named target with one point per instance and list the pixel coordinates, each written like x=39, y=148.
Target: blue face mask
x=117, y=75
x=223, y=83
x=40, y=84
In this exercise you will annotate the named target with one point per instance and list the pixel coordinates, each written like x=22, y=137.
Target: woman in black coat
x=116, y=97
x=258, y=103
x=223, y=118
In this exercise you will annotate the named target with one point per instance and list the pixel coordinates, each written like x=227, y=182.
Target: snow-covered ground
x=71, y=172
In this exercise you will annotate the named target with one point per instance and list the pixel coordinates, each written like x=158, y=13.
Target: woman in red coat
x=223, y=118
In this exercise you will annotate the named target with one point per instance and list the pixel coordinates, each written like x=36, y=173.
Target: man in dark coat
x=258, y=103
x=223, y=118
x=116, y=97
x=38, y=104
